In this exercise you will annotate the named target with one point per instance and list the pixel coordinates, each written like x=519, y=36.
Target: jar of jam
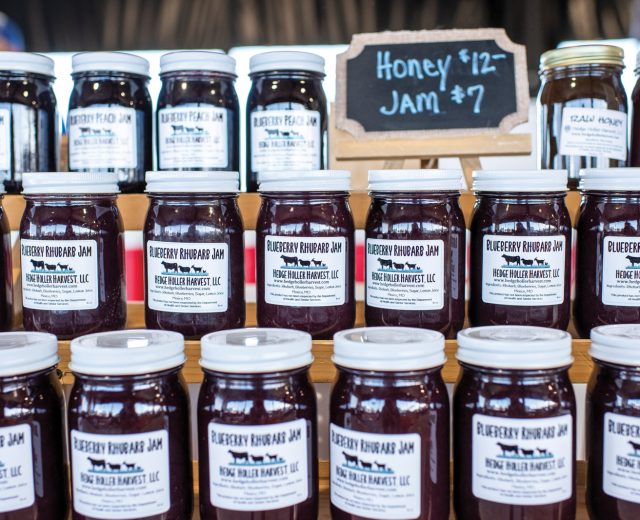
x=608, y=249
x=613, y=423
x=198, y=115
x=110, y=121
x=194, y=254
x=257, y=431
x=72, y=254
x=286, y=114
x=389, y=431
x=28, y=117
x=634, y=156
x=305, y=252
x=415, y=250
x=582, y=109
x=33, y=482
x=514, y=425
x=6, y=271
x=520, y=249
x=128, y=420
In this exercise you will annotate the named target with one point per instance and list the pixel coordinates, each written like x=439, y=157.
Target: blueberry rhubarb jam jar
x=608, y=249
x=415, y=250
x=33, y=476
x=613, y=423
x=257, y=432
x=520, y=249
x=305, y=252
x=72, y=254
x=194, y=254
x=514, y=423
x=389, y=431
x=128, y=420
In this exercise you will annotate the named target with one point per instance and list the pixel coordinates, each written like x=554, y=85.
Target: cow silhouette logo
x=514, y=451
x=86, y=132
x=517, y=261
x=294, y=262
x=188, y=130
x=244, y=458
x=369, y=466
x=176, y=269
x=40, y=266
x=635, y=446
x=286, y=135
x=112, y=467
x=390, y=265
x=634, y=262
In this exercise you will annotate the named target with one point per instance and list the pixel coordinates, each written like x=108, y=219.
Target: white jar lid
x=27, y=352
x=520, y=181
x=616, y=344
x=28, y=62
x=210, y=61
x=50, y=183
x=610, y=179
x=193, y=182
x=389, y=349
x=415, y=180
x=514, y=347
x=256, y=351
x=286, y=60
x=127, y=352
x=109, y=62
x=304, y=180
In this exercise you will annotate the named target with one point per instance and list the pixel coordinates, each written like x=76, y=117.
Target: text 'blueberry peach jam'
x=33, y=475
x=520, y=249
x=389, y=432
x=608, y=249
x=305, y=252
x=128, y=420
x=194, y=254
x=415, y=250
x=514, y=425
x=257, y=430
x=613, y=423
x=72, y=254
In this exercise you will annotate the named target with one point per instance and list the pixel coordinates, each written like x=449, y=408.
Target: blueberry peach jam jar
x=33, y=476
x=415, y=250
x=389, y=431
x=257, y=431
x=194, y=254
x=520, y=249
x=110, y=117
x=608, y=249
x=128, y=421
x=514, y=424
x=613, y=424
x=198, y=116
x=72, y=254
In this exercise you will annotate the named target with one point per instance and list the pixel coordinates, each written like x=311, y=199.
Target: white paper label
x=305, y=272
x=102, y=136
x=192, y=137
x=621, y=457
x=59, y=275
x=16, y=468
x=374, y=475
x=187, y=276
x=120, y=476
x=259, y=468
x=285, y=140
x=594, y=132
x=523, y=270
x=621, y=271
x=522, y=461
x=5, y=141
x=405, y=274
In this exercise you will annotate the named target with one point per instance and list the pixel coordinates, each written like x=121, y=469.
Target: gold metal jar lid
x=582, y=55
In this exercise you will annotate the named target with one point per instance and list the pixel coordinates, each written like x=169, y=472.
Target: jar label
x=259, y=468
x=285, y=140
x=5, y=142
x=594, y=132
x=102, y=136
x=405, y=274
x=187, y=277
x=375, y=475
x=16, y=468
x=523, y=270
x=120, y=476
x=192, y=137
x=621, y=271
x=524, y=462
x=305, y=272
x=59, y=275
x=621, y=457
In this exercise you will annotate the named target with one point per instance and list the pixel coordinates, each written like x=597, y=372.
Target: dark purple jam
x=6, y=268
